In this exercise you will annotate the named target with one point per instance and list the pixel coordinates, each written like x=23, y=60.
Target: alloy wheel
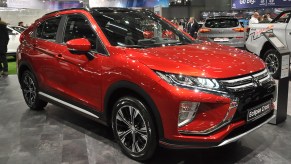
x=131, y=129
x=272, y=63
x=29, y=90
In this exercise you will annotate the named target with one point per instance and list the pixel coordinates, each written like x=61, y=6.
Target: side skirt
x=62, y=103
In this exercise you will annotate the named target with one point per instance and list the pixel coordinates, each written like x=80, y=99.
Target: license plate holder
x=221, y=39
x=259, y=111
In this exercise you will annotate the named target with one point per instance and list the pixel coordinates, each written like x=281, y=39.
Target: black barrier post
x=283, y=86
x=283, y=81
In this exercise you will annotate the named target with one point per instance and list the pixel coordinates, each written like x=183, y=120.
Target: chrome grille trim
x=266, y=79
x=260, y=73
x=247, y=82
x=242, y=86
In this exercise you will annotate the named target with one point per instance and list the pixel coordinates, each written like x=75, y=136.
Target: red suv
x=137, y=73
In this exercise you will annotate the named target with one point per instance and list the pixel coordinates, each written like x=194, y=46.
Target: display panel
x=39, y=4
x=128, y=3
x=244, y=4
x=63, y=5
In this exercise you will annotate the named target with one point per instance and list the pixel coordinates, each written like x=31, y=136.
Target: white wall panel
x=28, y=16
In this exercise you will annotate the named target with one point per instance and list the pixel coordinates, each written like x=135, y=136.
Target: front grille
x=246, y=82
x=251, y=90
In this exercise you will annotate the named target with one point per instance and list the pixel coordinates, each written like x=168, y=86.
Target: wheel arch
x=123, y=88
x=267, y=46
x=23, y=66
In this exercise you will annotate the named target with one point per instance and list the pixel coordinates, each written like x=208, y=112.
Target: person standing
x=192, y=27
x=255, y=18
x=21, y=24
x=3, y=48
x=269, y=17
x=265, y=19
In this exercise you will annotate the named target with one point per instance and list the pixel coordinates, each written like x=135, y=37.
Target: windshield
x=138, y=28
x=221, y=23
x=282, y=18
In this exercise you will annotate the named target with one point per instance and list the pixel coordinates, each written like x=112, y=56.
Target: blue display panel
x=247, y=4
x=128, y=3
x=59, y=5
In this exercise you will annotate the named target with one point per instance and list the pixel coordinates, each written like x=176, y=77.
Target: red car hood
x=203, y=60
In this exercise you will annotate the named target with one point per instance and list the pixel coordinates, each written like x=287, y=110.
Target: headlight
x=189, y=82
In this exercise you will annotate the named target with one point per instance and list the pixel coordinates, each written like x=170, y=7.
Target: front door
x=82, y=82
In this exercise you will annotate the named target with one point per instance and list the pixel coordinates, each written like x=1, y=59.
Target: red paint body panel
x=201, y=60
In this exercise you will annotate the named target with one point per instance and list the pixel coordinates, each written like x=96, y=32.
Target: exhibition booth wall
x=12, y=15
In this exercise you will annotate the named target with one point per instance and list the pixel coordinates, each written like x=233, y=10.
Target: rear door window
x=221, y=23
x=48, y=29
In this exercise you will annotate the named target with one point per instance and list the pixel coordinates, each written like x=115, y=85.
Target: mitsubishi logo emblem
x=256, y=82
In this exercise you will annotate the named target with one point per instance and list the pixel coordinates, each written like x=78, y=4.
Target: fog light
x=187, y=112
x=231, y=110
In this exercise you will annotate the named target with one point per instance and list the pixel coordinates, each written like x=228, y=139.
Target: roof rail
x=81, y=8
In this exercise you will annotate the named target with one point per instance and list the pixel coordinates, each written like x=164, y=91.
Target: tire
x=271, y=58
x=29, y=88
x=132, y=123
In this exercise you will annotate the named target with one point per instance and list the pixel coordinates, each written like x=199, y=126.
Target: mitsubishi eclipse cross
x=153, y=84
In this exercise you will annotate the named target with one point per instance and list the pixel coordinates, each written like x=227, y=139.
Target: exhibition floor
x=57, y=135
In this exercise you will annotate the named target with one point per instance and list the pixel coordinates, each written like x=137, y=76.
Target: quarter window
x=48, y=29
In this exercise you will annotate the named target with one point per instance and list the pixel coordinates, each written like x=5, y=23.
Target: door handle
x=59, y=56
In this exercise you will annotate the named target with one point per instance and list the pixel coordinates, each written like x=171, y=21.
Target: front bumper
x=235, y=132
x=213, y=108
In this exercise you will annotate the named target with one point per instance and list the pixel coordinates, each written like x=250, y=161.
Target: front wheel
x=30, y=91
x=271, y=58
x=134, y=129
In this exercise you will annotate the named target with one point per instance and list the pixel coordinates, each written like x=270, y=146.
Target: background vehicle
x=14, y=35
x=223, y=30
x=200, y=24
x=18, y=28
x=258, y=44
x=153, y=84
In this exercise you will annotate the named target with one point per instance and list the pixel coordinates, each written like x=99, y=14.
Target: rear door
x=44, y=53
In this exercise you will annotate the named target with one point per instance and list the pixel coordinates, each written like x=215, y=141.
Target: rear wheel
x=30, y=91
x=271, y=58
x=133, y=128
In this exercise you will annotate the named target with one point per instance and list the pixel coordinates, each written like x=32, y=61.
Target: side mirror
x=80, y=46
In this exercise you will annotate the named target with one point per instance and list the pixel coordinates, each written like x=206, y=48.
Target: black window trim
x=278, y=16
x=41, y=22
x=62, y=33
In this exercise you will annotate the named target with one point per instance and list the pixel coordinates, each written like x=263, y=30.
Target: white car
x=14, y=35
x=258, y=44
